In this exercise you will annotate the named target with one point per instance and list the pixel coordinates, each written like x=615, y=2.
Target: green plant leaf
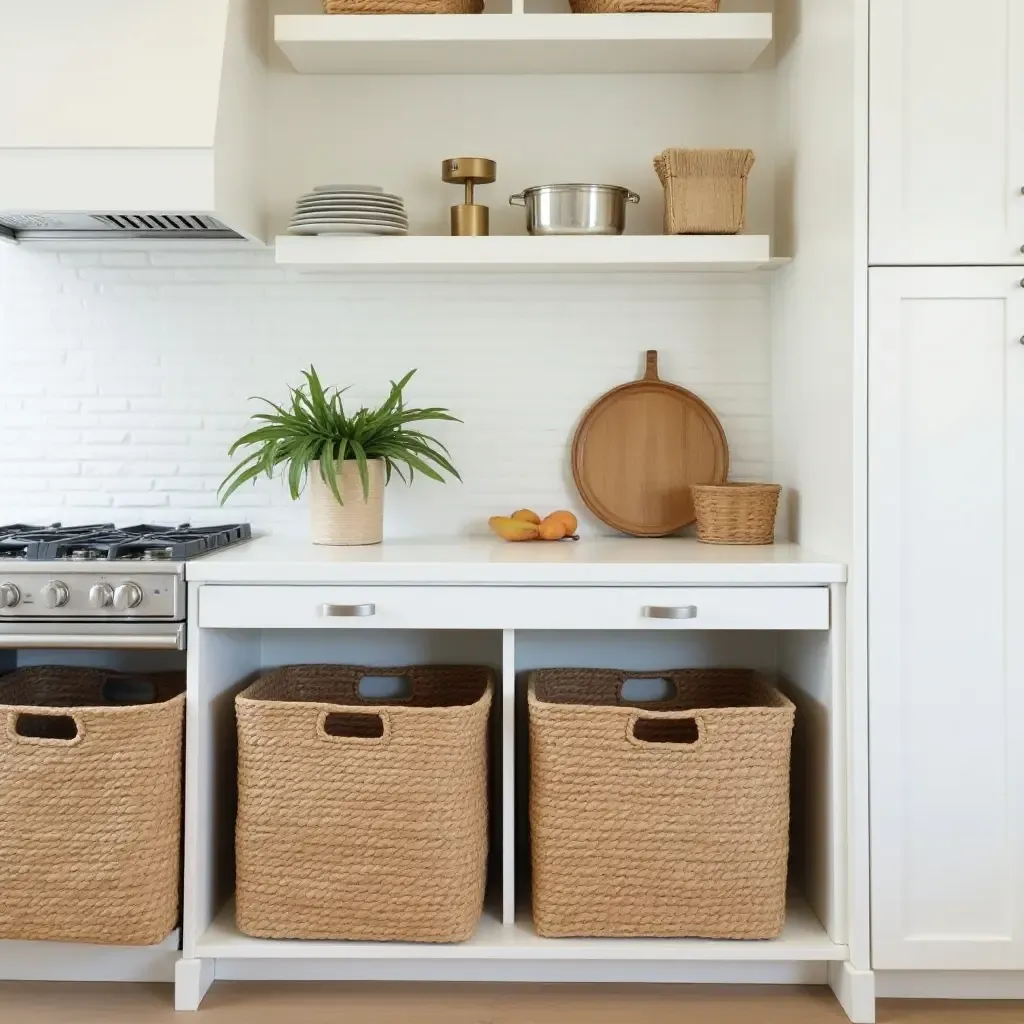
x=313, y=426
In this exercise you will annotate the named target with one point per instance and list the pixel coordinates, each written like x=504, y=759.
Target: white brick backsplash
x=127, y=376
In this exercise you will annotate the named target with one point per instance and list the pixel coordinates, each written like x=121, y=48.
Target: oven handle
x=173, y=640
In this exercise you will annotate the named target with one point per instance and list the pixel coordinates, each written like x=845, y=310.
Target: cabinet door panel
x=947, y=132
x=946, y=565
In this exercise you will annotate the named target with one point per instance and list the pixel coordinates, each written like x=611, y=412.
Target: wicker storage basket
x=736, y=513
x=90, y=805
x=362, y=819
x=705, y=190
x=403, y=6
x=643, y=6
x=667, y=818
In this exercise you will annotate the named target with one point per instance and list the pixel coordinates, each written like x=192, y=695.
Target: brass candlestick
x=469, y=218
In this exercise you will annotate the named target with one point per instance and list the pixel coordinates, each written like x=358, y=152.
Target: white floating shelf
x=803, y=938
x=498, y=44
x=568, y=253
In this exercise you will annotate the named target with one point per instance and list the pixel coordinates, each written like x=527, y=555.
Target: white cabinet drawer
x=398, y=607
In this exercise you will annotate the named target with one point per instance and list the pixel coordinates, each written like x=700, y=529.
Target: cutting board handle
x=652, y=365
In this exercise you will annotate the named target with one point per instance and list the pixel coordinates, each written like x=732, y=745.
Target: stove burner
x=103, y=541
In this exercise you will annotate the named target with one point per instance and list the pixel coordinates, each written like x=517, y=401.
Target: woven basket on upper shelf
x=403, y=6
x=705, y=190
x=736, y=513
x=362, y=818
x=663, y=818
x=643, y=6
x=90, y=805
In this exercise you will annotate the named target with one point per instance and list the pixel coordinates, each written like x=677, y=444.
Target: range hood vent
x=31, y=227
x=134, y=122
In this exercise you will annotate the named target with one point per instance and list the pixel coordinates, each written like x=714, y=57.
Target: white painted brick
x=108, y=403
x=184, y=483
x=125, y=259
x=79, y=259
x=140, y=499
x=132, y=376
x=105, y=436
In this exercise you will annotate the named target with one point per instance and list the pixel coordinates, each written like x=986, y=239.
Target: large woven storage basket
x=403, y=6
x=705, y=190
x=667, y=818
x=362, y=819
x=642, y=6
x=90, y=805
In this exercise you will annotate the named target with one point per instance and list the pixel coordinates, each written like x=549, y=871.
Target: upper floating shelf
x=523, y=44
x=566, y=253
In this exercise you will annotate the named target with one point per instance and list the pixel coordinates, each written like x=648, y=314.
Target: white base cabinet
x=946, y=496
x=242, y=629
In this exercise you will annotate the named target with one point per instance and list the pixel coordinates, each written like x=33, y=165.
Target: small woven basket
x=705, y=190
x=643, y=6
x=90, y=805
x=362, y=819
x=666, y=818
x=736, y=513
x=403, y=6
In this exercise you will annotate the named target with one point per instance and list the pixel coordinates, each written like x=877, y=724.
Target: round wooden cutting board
x=640, y=447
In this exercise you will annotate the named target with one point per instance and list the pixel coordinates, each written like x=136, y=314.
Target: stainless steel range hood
x=128, y=121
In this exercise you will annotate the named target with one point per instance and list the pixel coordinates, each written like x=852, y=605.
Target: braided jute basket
x=667, y=818
x=705, y=190
x=90, y=805
x=736, y=513
x=643, y=6
x=362, y=819
x=403, y=6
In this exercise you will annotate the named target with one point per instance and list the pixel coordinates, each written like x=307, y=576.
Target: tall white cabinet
x=946, y=512
x=947, y=132
x=946, y=485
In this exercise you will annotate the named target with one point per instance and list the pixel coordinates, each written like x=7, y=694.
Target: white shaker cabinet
x=946, y=564
x=947, y=132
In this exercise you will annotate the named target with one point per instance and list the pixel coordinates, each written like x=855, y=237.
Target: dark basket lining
x=64, y=686
x=433, y=686
x=696, y=689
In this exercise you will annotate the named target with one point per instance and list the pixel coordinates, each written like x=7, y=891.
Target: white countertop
x=593, y=561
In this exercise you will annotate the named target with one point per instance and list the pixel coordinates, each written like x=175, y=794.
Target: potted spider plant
x=346, y=459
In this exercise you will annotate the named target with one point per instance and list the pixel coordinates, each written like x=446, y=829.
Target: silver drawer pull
x=682, y=611
x=347, y=611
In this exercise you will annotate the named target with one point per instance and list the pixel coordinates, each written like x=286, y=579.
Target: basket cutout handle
x=354, y=726
x=386, y=686
x=671, y=733
x=647, y=688
x=50, y=727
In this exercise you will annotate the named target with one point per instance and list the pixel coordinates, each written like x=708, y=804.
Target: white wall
x=124, y=377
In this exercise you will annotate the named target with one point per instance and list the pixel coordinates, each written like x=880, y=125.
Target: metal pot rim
x=574, y=185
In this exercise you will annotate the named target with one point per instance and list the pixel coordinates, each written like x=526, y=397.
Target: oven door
x=93, y=636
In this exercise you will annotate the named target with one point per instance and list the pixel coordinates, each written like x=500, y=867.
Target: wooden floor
x=238, y=1003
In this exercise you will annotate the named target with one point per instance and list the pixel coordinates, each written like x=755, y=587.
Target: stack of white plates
x=349, y=210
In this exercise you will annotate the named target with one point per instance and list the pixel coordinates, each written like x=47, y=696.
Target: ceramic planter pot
x=360, y=520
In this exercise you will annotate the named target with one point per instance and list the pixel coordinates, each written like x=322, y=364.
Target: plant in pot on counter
x=346, y=459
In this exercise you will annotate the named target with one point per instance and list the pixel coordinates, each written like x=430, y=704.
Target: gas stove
x=104, y=577
x=106, y=542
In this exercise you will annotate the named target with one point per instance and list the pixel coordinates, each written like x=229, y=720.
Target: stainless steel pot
x=575, y=209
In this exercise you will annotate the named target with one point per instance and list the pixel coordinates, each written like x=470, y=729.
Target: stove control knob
x=55, y=594
x=101, y=595
x=10, y=596
x=128, y=595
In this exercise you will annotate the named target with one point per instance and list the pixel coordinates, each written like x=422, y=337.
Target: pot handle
x=631, y=197
x=519, y=199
